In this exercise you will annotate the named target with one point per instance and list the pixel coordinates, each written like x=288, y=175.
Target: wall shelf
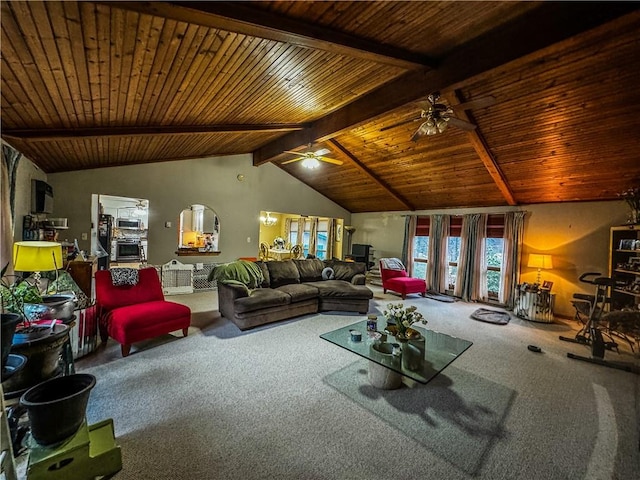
x=633, y=294
x=620, y=259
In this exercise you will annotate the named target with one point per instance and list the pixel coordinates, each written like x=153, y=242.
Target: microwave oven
x=129, y=223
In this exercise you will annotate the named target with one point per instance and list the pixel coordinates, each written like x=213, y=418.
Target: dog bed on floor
x=491, y=316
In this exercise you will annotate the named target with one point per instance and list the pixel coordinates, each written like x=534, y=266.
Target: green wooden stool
x=91, y=452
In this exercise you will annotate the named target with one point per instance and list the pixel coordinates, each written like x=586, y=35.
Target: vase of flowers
x=632, y=197
x=403, y=318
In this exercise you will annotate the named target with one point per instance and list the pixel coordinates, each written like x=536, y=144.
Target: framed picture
x=339, y=233
x=547, y=285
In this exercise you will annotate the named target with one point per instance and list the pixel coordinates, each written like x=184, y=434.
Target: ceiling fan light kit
x=311, y=159
x=310, y=163
x=438, y=114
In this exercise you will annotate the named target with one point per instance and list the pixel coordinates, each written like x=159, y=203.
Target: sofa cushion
x=299, y=291
x=341, y=289
x=261, y=298
x=282, y=273
x=266, y=282
x=310, y=270
x=346, y=270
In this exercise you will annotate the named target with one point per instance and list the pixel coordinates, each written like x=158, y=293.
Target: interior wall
x=230, y=185
x=26, y=172
x=575, y=234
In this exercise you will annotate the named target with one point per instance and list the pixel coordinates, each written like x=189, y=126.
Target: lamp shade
x=537, y=260
x=37, y=256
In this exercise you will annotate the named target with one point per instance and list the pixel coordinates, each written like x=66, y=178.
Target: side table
x=536, y=306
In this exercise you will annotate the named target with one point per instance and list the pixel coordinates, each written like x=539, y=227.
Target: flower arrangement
x=403, y=317
x=632, y=197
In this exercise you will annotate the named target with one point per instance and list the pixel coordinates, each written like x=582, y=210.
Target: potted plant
x=40, y=344
x=14, y=296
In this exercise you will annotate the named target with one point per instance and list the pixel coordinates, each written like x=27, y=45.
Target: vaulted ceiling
x=97, y=84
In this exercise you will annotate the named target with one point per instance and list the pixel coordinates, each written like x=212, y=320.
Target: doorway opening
x=119, y=232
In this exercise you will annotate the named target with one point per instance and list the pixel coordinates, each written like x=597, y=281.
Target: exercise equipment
x=593, y=331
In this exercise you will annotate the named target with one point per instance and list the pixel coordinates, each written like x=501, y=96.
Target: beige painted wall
x=172, y=186
x=27, y=171
x=576, y=234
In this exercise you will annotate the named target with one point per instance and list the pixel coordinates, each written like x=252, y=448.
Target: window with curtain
x=421, y=248
x=453, y=251
x=494, y=254
x=293, y=235
x=322, y=237
x=292, y=238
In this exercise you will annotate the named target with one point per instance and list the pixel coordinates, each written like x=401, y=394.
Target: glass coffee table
x=419, y=359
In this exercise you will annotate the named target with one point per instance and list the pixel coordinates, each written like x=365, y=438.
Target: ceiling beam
x=548, y=24
x=240, y=17
x=44, y=135
x=364, y=169
x=482, y=150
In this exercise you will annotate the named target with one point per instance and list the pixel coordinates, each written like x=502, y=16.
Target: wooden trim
x=102, y=132
x=246, y=20
x=479, y=144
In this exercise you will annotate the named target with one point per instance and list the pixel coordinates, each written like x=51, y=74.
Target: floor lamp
x=36, y=257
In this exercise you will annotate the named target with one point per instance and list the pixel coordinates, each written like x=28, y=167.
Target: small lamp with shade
x=540, y=261
x=36, y=257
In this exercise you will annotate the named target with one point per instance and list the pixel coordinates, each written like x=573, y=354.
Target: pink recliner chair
x=395, y=278
x=130, y=313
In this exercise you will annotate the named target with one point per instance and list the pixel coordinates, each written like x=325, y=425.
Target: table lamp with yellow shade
x=540, y=261
x=36, y=257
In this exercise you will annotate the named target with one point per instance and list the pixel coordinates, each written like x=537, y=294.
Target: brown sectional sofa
x=291, y=288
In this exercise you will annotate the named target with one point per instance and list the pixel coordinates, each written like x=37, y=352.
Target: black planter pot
x=43, y=361
x=57, y=407
x=9, y=322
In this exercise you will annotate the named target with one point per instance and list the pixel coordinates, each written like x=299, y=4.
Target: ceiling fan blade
x=322, y=151
x=290, y=151
x=294, y=160
x=420, y=132
x=477, y=103
x=330, y=160
x=404, y=122
x=456, y=122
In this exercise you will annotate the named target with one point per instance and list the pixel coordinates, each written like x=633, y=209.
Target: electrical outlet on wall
x=83, y=236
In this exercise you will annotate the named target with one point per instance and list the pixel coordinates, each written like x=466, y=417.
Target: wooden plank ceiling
x=97, y=84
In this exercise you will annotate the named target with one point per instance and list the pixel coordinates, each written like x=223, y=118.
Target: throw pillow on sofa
x=310, y=269
x=266, y=281
x=328, y=274
x=283, y=272
x=346, y=270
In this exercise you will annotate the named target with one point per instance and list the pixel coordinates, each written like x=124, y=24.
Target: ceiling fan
x=311, y=159
x=437, y=115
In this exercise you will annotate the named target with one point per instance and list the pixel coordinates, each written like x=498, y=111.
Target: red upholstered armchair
x=395, y=278
x=131, y=313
